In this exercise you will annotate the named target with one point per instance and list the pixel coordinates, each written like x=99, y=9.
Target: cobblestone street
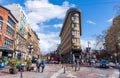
x=90, y=72
x=57, y=71
x=49, y=70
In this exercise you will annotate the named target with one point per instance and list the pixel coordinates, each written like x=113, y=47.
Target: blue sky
x=46, y=18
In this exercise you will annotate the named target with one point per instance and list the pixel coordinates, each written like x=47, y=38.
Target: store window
x=8, y=43
x=76, y=47
x=1, y=22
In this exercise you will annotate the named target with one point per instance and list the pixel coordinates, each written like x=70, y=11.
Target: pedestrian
x=75, y=61
x=38, y=65
x=43, y=63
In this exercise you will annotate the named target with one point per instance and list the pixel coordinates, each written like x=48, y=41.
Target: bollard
x=72, y=66
x=21, y=72
x=119, y=72
x=62, y=65
x=64, y=69
x=75, y=68
x=78, y=66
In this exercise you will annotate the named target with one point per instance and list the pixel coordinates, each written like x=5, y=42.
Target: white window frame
x=75, y=25
x=75, y=32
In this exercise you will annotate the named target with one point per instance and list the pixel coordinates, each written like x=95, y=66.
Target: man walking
x=38, y=65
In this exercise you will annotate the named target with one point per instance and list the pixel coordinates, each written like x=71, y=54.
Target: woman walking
x=43, y=63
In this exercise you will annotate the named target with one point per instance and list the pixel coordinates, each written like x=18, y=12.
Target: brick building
x=25, y=34
x=7, y=32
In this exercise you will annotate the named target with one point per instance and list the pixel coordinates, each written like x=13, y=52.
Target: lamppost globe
x=115, y=54
x=30, y=49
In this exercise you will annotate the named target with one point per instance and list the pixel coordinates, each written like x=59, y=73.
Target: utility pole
x=88, y=51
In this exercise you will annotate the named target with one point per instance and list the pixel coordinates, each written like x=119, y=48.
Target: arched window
x=1, y=22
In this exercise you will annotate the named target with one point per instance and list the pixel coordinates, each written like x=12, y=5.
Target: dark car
x=104, y=64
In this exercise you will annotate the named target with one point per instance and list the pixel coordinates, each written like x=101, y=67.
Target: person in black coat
x=38, y=65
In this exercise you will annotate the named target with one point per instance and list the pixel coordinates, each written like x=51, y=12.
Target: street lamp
x=88, y=52
x=30, y=48
x=115, y=54
x=111, y=58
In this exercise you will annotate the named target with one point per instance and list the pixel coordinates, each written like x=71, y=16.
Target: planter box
x=13, y=70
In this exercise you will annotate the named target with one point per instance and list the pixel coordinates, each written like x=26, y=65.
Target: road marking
x=71, y=76
x=57, y=73
x=115, y=74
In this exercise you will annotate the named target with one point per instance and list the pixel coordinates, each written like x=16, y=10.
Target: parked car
x=104, y=64
x=92, y=61
x=54, y=62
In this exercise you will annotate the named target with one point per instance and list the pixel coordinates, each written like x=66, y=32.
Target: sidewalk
x=4, y=71
x=58, y=71
x=49, y=70
x=86, y=72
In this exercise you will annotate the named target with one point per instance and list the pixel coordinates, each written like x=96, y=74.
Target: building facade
x=34, y=41
x=25, y=35
x=20, y=41
x=7, y=32
x=70, y=36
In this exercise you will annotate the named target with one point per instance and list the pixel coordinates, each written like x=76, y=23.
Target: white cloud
x=58, y=25
x=110, y=20
x=91, y=22
x=41, y=11
x=48, y=42
x=92, y=44
x=84, y=43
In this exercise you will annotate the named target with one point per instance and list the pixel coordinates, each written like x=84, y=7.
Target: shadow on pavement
x=5, y=72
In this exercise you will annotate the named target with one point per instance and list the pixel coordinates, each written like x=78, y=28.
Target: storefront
x=6, y=52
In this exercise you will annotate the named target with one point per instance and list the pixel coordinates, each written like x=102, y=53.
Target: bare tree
x=117, y=8
x=112, y=36
x=100, y=38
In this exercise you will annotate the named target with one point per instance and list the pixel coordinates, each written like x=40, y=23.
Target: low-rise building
x=7, y=32
x=25, y=35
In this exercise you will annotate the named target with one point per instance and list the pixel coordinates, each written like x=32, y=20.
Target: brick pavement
x=56, y=71
x=89, y=72
x=49, y=71
x=4, y=71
